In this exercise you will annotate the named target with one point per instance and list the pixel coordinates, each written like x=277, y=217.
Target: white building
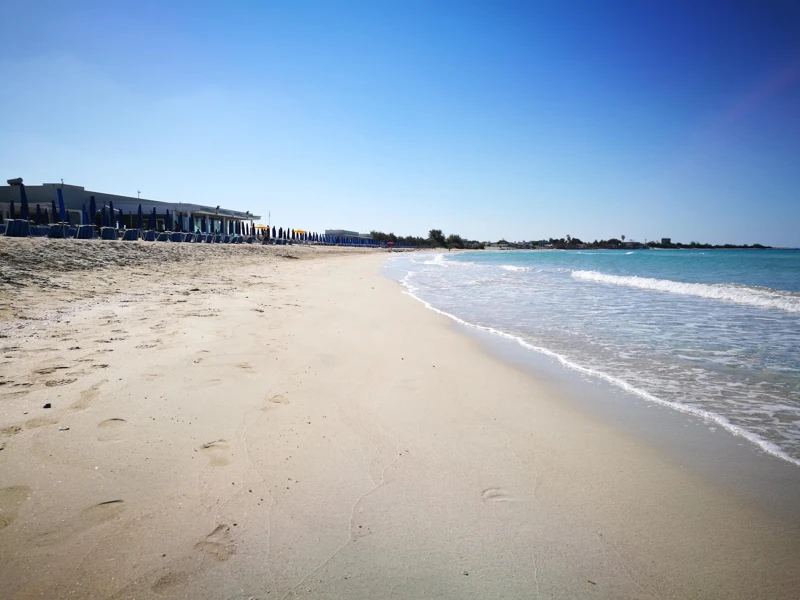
x=76, y=198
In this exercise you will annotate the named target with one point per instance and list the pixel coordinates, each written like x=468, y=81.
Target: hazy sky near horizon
x=495, y=119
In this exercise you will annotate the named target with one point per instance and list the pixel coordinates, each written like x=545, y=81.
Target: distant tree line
x=435, y=239
x=572, y=243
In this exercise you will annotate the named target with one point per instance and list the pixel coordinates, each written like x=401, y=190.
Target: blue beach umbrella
x=23, y=203
x=121, y=220
x=139, y=220
x=11, y=211
x=204, y=225
x=92, y=211
x=62, y=212
x=38, y=215
x=84, y=216
x=111, y=213
x=103, y=217
x=53, y=211
x=153, y=219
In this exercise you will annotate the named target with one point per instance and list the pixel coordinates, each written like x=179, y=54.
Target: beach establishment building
x=76, y=198
x=342, y=233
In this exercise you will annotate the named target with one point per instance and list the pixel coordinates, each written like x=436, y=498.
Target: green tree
x=437, y=237
x=454, y=241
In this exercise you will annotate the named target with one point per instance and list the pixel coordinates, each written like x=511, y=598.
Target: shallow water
x=714, y=333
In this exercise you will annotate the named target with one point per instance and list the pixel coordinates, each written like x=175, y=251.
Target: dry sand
x=244, y=425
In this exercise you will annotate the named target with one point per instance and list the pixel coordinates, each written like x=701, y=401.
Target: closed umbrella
x=84, y=216
x=111, y=214
x=273, y=231
x=121, y=220
x=204, y=225
x=53, y=211
x=139, y=220
x=92, y=211
x=23, y=203
x=62, y=212
x=11, y=211
x=103, y=217
x=153, y=220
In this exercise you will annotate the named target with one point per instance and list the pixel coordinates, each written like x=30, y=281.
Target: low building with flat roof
x=76, y=198
x=346, y=233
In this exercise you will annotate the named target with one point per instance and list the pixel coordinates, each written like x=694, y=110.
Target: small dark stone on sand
x=48, y=405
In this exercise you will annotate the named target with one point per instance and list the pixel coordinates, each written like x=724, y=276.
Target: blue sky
x=489, y=119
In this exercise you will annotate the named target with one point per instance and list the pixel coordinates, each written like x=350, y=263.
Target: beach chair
x=130, y=235
x=149, y=235
x=85, y=232
x=109, y=233
x=57, y=231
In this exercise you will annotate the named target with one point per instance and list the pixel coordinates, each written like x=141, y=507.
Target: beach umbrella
x=84, y=216
x=121, y=220
x=166, y=220
x=203, y=225
x=153, y=219
x=53, y=211
x=92, y=211
x=61, y=210
x=103, y=217
x=111, y=213
x=11, y=211
x=273, y=232
x=23, y=203
x=139, y=220
x=38, y=215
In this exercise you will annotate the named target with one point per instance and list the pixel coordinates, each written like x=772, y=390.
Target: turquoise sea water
x=710, y=332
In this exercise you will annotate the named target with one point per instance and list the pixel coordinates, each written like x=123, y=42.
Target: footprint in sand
x=214, y=451
x=48, y=370
x=276, y=399
x=218, y=543
x=83, y=521
x=244, y=366
x=10, y=430
x=87, y=396
x=60, y=382
x=11, y=498
x=171, y=583
x=40, y=422
x=495, y=495
x=145, y=346
x=111, y=430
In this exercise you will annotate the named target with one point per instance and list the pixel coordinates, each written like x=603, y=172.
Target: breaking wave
x=739, y=294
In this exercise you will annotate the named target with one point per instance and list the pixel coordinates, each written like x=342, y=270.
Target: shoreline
x=300, y=428
x=764, y=445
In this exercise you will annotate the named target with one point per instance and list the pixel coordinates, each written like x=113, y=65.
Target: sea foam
x=740, y=294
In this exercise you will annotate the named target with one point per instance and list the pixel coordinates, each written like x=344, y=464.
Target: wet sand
x=247, y=425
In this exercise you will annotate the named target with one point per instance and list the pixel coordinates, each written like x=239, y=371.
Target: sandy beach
x=282, y=422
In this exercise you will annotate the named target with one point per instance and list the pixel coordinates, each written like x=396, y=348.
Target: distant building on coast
x=76, y=198
x=345, y=233
x=666, y=241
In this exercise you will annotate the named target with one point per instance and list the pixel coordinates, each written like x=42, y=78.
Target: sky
x=515, y=120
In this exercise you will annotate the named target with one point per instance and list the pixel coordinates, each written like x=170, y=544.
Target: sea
x=713, y=333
